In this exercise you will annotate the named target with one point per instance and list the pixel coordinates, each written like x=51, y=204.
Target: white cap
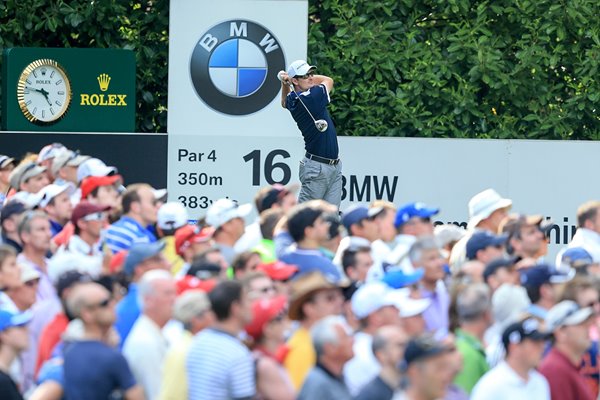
x=29, y=200
x=171, y=215
x=65, y=157
x=299, y=68
x=159, y=193
x=51, y=191
x=508, y=302
x=370, y=297
x=94, y=167
x=49, y=151
x=408, y=306
x=483, y=204
x=28, y=273
x=224, y=210
x=567, y=313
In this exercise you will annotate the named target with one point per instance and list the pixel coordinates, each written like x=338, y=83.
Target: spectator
x=374, y=304
x=333, y=347
x=95, y=167
x=474, y=317
x=516, y=378
x=526, y=239
x=46, y=156
x=425, y=253
x=142, y=257
x=580, y=260
x=192, y=309
x=29, y=177
x=388, y=347
x=356, y=262
x=82, y=252
x=280, y=273
x=428, y=370
x=191, y=241
x=411, y=314
x=7, y=164
x=413, y=220
x=543, y=284
x=92, y=369
x=447, y=236
x=359, y=222
x=10, y=272
x=227, y=218
x=482, y=248
x=267, y=329
x=308, y=228
x=139, y=212
x=499, y=272
x=13, y=340
x=210, y=257
x=145, y=347
x=170, y=217
x=102, y=191
x=587, y=235
x=570, y=325
x=486, y=210
x=313, y=298
x=259, y=286
x=64, y=166
x=267, y=222
x=219, y=366
x=244, y=263
x=56, y=203
x=9, y=222
x=387, y=231
x=23, y=296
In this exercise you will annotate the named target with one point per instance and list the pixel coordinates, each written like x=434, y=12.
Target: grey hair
x=146, y=284
x=422, y=244
x=323, y=332
x=473, y=302
x=26, y=218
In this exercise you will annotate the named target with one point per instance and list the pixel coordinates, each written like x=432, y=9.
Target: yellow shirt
x=301, y=357
x=171, y=255
x=174, y=381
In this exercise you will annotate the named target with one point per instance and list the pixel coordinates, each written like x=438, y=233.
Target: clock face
x=44, y=92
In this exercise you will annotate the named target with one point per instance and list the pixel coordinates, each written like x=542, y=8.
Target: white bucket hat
x=483, y=204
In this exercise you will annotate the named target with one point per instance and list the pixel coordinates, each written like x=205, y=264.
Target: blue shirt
x=92, y=370
x=55, y=228
x=309, y=260
x=125, y=232
x=128, y=310
x=323, y=144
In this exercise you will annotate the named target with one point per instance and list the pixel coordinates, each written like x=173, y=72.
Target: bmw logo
x=234, y=65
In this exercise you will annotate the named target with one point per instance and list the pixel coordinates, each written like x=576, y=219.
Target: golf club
x=320, y=124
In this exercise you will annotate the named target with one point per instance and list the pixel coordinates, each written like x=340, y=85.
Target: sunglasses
x=32, y=283
x=267, y=289
x=103, y=304
x=97, y=216
x=308, y=75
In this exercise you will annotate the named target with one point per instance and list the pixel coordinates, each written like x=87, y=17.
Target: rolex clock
x=44, y=91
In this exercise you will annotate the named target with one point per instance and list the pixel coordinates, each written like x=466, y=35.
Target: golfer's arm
x=285, y=90
x=325, y=80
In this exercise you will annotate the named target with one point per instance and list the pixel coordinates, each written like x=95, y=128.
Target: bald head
x=388, y=345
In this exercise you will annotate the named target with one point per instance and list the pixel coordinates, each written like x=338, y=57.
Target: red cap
x=263, y=311
x=86, y=208
x=278, y=270
x=189, y=282
x=189, y=234
x=92, y=182
x=117, y=261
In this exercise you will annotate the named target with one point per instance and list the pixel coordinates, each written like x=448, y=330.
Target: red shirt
x=566, y=383
x=49, y=338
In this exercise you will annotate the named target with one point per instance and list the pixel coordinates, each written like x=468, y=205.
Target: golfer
x=320, y=169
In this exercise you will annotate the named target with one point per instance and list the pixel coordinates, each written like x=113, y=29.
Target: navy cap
x=356, y=213
x=482, y=239
x=577, y=257
x=410, y=210
x=540, y=274
x=526, y=329
x=423, y=347
x=399, y=279
x=11, y=208
x=140, y=252
x=495, y=265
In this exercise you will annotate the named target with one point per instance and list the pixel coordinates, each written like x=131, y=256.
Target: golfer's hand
x=283, y=77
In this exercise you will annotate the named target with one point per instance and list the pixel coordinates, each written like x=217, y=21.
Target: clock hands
x=42, y=91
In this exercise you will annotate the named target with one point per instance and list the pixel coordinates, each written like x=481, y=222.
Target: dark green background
x=83, y=67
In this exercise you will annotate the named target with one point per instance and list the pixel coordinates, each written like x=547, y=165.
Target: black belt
x=322, y=159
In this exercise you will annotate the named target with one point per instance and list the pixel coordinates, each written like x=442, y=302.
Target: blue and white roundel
x=237, y=68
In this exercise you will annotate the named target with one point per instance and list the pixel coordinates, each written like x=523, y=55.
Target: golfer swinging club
x=306, y=96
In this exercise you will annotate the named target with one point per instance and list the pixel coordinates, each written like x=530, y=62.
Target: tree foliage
x=460, y=68
x=138, y=25
x=432, y=68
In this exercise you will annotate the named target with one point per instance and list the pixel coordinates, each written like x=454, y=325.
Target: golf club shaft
x=303, y=105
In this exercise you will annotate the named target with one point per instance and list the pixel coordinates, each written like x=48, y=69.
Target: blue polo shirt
x=323, y=144
x=128, y=310
x=125, y=232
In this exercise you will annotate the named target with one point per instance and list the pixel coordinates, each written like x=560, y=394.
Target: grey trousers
x=320, y=181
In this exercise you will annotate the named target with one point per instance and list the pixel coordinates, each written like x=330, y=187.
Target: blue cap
x=10, y=320
x=482, y=239
x=399, y=279
x=140, y=252
x=410, y=210
x=577, y=257
x=356, y=213
x=540, y=274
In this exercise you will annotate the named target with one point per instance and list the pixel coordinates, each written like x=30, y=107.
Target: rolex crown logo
x=103, y=81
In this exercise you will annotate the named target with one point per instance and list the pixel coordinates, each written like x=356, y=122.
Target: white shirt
x=399, y=255
x=363, y=367
x=76, y=255
x=250, y=239
x=145, y=349
x=586, y=238
x=502, y=383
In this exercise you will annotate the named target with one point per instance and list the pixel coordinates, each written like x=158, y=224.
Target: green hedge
x=445, y=68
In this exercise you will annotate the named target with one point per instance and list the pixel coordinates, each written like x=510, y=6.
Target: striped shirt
x=219, y=367
x=125, y=232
